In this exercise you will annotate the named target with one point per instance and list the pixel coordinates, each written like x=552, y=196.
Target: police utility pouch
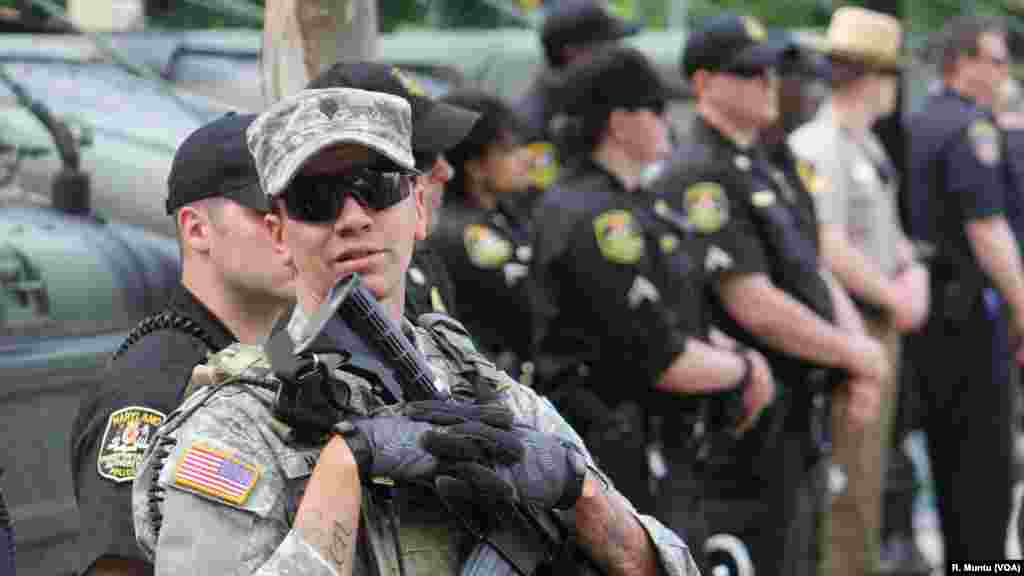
x=526, y=539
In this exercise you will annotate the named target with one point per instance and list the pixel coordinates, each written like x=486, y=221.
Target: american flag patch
x=216, y=474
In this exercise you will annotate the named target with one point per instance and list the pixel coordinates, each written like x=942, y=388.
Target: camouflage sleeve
x=538, y=412
x=217, y=503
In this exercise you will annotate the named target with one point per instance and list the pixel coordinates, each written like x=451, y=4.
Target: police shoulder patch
x=619, y=237
x=127, y=436
x=485, y=247
x=216, y=473
x=707, y=208
x=984, y=139
x=543, y=164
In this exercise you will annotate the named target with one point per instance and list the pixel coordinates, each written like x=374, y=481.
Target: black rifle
x=513, y=540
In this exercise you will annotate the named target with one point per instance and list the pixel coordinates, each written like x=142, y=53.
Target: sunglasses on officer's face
x=320, y=198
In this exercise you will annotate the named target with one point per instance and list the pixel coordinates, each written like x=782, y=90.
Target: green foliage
x=774, y=13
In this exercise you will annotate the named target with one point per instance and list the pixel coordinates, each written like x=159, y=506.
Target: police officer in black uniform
x=623, y=339
x=962, y=193
x=766, y=290
x=483, y=237
x=572, y=31
x=233, y=287
x=436, y=128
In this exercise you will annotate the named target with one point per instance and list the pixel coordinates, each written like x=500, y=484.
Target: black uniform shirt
x=618, y=288
x=756, y=216
x=957, y=174
x=488, y=254
x=428, y=285
x=117, y=420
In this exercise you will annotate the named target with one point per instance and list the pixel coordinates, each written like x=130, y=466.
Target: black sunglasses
x=320, y=198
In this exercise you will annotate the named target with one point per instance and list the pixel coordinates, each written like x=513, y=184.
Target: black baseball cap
x=616, y=77
x=214, y=161
x=582, y=22
x=729, y=43
x=436, y=126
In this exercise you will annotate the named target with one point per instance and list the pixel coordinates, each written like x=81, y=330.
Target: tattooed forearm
x=611, y=534
x=340, y=546
x=333, y=538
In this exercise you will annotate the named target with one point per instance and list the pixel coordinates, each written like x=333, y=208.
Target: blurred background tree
x=921, y=16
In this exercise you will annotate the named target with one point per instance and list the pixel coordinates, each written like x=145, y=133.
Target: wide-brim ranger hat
x=616, y=77
x=865, y=37
x=436, y=126
x=294, y=130
x=730, y=42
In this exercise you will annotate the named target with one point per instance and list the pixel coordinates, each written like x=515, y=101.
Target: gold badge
x=706, y=207
x=485, y=247
x=985, y=141
x=407, y=82
x=813, y=181
x=754, y=29
x=619, y=237
x=128, y=434
x=543, y=164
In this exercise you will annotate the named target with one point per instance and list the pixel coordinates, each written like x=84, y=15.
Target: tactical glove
x=433, y=437
x=549, y=474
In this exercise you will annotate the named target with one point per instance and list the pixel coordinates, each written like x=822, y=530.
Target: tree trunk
x=301, y=38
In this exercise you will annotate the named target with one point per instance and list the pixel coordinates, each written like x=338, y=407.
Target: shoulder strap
x=165, y=320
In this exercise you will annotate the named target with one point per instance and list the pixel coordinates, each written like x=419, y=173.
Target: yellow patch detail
x=408, y=82
x=619, y=237
x=984, y=139
x=813, y=181
x=486, y=249
x=754, y=28
x=669, y=243
x=543, y=164
x=436, y=303
x=706, y=207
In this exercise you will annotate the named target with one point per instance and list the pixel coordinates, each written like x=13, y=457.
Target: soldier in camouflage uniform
x=437, y=127
x=226, y=489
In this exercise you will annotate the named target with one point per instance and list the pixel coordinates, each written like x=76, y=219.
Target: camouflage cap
x=284, y=137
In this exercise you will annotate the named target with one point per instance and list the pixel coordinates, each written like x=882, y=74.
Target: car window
x=109, y=98
x=232, y=78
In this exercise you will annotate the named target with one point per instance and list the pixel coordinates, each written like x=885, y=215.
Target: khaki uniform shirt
x=858, y=186
x=218, y=490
